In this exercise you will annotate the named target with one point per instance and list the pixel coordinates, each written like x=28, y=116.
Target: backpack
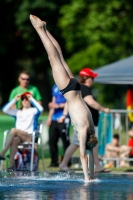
x=23, y=157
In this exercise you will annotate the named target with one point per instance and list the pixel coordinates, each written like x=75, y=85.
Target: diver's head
x=91, y=141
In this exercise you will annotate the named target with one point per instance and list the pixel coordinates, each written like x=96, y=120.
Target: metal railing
x=125, y=124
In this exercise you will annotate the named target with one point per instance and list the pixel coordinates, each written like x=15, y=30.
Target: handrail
x=117, y=159
x=120, y=111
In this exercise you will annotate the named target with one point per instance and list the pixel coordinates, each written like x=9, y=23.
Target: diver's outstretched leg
x=56, y=44
x=60, y=75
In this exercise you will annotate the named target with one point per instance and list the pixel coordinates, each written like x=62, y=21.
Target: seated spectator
x=26, y=122
x=114, y=150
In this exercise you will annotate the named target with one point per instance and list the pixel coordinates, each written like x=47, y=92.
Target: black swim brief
x=72, y=85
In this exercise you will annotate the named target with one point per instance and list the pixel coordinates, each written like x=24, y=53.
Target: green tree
x=97, y=33
x=20, y=46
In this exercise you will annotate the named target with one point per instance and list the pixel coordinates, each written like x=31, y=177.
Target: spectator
x=86, y=77
x=24, y=86
x=114, y=150
x=57, y=130
x=26, y=122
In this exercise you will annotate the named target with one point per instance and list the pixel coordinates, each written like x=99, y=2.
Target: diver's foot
x=37, y=23
x=87, y=179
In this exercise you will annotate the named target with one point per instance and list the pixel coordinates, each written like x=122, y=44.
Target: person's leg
x=125, y=150
x=68, y=154
x=53, y=140
x=15, y=132
x=14, y=147
x=70, y=151
x=96, y=159
x=95, y=153
x=60, y=74
x=98, y=168
x=64, y=135
x=111, y=154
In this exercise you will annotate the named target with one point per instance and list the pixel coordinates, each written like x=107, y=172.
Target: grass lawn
x=76, y=168
x=73, y=167
x=7, y=122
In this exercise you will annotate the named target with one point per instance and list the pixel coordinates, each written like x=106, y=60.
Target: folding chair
x=32, y=144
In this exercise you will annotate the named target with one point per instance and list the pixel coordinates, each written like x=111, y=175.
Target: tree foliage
x=91, y=34
x=97, y=33
x=21, y=48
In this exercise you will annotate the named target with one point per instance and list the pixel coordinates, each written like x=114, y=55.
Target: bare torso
x=78, y=110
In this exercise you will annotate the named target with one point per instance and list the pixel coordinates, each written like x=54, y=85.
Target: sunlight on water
x=64, y=186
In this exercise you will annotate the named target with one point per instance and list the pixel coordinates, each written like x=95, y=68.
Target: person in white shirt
x=26, y=121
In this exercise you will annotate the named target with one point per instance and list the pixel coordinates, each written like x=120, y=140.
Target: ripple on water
x=69, y=185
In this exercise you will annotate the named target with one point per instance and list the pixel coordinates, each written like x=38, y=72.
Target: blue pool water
x=64, y=186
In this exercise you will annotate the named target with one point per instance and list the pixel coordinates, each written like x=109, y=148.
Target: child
x=114, y=150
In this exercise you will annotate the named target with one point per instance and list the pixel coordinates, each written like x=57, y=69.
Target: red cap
x=87, y=72
x=25, y=94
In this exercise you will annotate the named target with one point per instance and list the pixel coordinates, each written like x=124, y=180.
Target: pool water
x=64, y=186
